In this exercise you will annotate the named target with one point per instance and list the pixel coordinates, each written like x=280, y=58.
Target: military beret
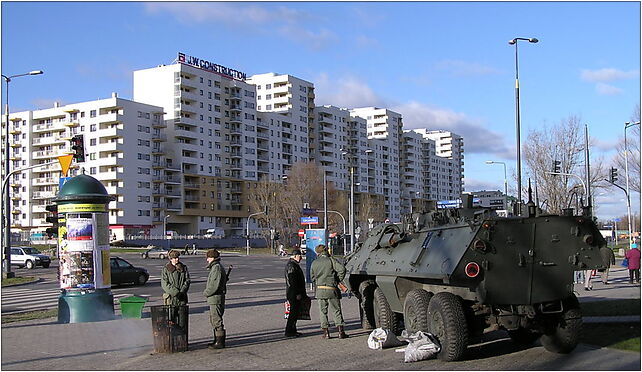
x=320, y=248
x=174, y=253
x=296, y=252
x=213, y=253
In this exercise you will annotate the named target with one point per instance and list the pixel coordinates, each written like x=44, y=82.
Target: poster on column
x=82, y=252
x=313, y=238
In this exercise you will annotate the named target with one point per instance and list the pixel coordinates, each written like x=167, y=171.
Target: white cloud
x=347, y=92
x=463, y=68
x=607, y=90
x=289, y=23
x=477, y=137
x=350, y=92
x=471, y=184
x=607, y=75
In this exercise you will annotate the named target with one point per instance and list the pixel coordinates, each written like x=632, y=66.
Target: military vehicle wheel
x=523, y=336
x=446, y=320
x=366, y=303
x=564, y=335
x=384, y=316
x=415, y=310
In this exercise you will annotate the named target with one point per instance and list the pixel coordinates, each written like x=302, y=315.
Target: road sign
x=309, y=220
x=301, y=232
x=309, y=212
x=65, y=162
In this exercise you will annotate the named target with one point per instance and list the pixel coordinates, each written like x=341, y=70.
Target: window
x=92, y=128
x=92, y=113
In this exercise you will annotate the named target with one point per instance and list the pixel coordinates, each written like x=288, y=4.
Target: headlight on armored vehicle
x=472, y=269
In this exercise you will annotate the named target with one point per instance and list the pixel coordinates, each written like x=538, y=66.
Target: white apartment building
x=293, y=100
x=197, y=136
x=384, y=129
x=114, y=129
x=445, y=171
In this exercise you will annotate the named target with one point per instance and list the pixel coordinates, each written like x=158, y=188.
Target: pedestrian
x=175, y=281
x=633, y=256
x=294, y=292
x=327, y=273
x=608, y=259
x=587, y=279
x=579, y=276
x=215, y=293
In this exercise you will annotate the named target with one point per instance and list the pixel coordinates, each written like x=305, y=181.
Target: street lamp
x=165, y=228
x=517, y=121
x=505, y=181
x=325, y=209
x=626, y=171
x=6, y=269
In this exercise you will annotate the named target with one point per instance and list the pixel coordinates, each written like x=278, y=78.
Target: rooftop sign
x=210, y=66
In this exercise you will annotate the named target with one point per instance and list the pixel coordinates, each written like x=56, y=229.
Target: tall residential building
x=447, y=167
x=384, y=128
x=114, y=129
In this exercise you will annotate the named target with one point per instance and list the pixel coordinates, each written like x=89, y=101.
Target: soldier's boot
x=211, y=344
x=342, y=333
x=220, y=340
x=326, y=333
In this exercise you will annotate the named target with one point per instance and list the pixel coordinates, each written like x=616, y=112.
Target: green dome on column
x=83, y=188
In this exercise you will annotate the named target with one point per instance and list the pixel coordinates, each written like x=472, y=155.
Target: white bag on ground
x=420, y=346
x=382, y=338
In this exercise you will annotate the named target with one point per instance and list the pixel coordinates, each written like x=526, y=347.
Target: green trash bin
x=132, y=306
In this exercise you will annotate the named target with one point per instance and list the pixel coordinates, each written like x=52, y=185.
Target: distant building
x=489, y=199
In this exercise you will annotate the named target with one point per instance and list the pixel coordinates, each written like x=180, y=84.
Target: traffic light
x=78, y=146
x=613, y=175
x=557, y=166
x=53, y=219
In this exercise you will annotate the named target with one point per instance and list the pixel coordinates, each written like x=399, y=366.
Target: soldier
x=294, y=292
x=327, y=273
x=608, y=259
x=215, y=293
x=175, y=281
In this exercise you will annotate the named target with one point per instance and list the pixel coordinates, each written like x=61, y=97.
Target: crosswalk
x=28, y=298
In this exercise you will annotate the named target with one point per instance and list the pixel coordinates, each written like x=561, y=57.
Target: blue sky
x=443, y=65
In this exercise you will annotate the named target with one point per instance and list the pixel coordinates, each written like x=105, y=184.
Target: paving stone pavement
x=256, y=342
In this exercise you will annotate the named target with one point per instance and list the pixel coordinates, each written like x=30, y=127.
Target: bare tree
x=566, y=144
x=633, y=147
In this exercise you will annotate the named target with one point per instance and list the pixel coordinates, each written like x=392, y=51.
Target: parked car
x=155, y=252
x=29, y=257
x=123, y=272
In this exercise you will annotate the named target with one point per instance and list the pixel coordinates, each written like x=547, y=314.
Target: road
x=255, y=325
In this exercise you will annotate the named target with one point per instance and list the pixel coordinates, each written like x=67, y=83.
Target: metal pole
x=505, y=189
x=518, y=129
x=626, y=171
x=352, y=209
x=587, y=167
x=325, y=210
x=6, y=269
x=247, y=232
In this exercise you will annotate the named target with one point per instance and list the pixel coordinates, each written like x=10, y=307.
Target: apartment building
x=384, y=130
x=198, y=136
x=114, y=129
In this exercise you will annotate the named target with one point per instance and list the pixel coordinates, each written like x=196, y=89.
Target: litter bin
x=132, y=306
x=169, y=326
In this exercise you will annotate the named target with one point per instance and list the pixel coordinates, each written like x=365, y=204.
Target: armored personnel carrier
x=458, y=273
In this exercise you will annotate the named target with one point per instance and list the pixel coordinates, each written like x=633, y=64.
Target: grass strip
x=622, y=336
x=30, y=315
x=17, y=280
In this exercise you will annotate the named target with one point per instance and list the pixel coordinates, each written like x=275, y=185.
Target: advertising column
x=83, y=249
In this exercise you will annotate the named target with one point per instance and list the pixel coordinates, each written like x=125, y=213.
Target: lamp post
x=351, y=211
x=6, y=269
x=247, y=231
x=626, y=172
x=517, y=121
x=325, y=210
x=505, y=181
x=165, y=228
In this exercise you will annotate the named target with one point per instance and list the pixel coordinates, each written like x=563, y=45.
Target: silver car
x=29, y=257
x=156, y=252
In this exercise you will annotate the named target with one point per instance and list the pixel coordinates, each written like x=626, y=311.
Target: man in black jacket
x=294, y=292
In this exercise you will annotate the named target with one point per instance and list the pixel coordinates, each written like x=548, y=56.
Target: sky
x=442, y=65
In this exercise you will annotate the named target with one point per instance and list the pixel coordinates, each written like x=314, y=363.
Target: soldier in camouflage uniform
x=215, y=293
x=327, y=273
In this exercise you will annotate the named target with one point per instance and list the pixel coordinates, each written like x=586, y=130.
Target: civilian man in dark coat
x=294, y=292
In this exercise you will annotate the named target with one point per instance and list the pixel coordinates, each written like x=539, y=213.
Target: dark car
x=123, y=272
x=156, y=252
